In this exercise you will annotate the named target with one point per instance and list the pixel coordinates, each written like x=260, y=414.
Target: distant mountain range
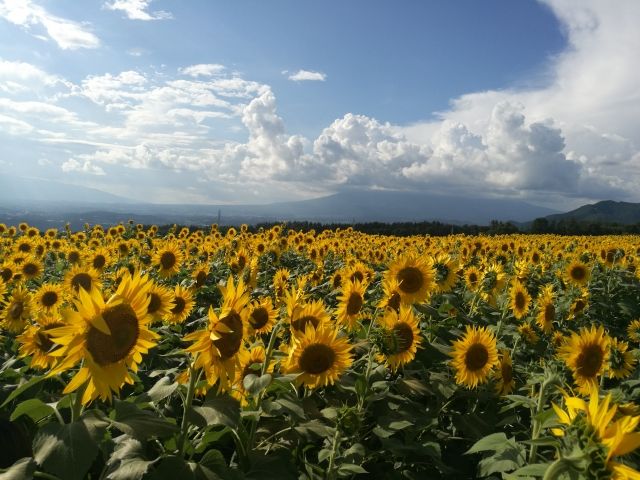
x=47, y=204
x=607, y=211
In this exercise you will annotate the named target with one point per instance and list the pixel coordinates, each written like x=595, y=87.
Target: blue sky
x=256, y=101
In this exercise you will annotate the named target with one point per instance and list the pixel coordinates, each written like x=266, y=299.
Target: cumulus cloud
x=67, y=34
x=307, y=76
x=137, y=10
x=73, y=165
x=203, y=70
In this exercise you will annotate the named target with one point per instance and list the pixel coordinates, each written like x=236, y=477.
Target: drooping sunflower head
x=399, y=338
x=200, y=273
x=474, y=356
x=319, y=356
x=228, y=331
x=586, y=353
x=579, y=305
x=81, y=278
x=415, y=277
x=528, y=333
x=235, y=296
x=546, y=309
x=391, y=294
x=505, y=381
x=622, y=362
x=445, y=268
x=633, y=330
x=262, y=315
x=351, y=301
x=578, y=273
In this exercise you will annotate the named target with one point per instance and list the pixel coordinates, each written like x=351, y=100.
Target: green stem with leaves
x=188, y=402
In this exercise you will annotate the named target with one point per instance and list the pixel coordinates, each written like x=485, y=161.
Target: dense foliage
x=128, y=353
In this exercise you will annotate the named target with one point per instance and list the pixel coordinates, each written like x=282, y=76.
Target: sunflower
x=219, y=350
x=602, y=438
x=492, y=282
x=633, y=330
x=400, y=337
x=48, y=298
x=160, y=302
x=262, y=315
x=110, y=337
x=281, y=282
x=546, y=309
x=474, y=356
x=79, y=278
x=73, y=255
x=578, y=273
x=36, y=342
x=319, y=356
x=351, y=302
x=520, y=300
x=31, y=268
x=183, y=303
x=586, y=353
x=17, y=310
x=251, y=364
x=199, y=274
x=308, y=314
x=391, y=294
x=445, y=268
x=415, y=278
x=99, y=258
x=168, y=258
x=622, y=363
x=579, y=305
x=358, y=271
x=7, y=270
x=504, y=374
x=527, y=332
x=472, y=278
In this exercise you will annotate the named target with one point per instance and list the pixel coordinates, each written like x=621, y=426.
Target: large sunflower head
x=586, y=353
x=351, y=301
x=48, y=298
x=400, y=337
x=17, y=310
x=99, y=258
x=415, y=278
x=474, y=356
x=110, y=337
x=578, y=273
x=319, y=356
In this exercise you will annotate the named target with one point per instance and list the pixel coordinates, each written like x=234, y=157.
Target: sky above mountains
x=198, y=101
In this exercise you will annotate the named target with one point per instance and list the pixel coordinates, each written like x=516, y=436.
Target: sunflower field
x=227, y=354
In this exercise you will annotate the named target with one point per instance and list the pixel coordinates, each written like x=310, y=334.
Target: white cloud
x=69, y=35
x=137, y=10
x=203, y=70
x=307, y=75
x=72, y=165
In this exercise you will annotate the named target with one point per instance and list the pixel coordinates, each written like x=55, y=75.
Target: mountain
x=344, y=207
x=607, y=211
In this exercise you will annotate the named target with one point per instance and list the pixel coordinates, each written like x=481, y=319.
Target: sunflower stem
x=188, y=401
x=332, y=457
x=536, y=425
x=76, y=406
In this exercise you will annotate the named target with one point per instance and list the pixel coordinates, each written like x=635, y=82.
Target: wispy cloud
x=137, y=10
x=203, y=70
x=67, y=34
x=307, y=76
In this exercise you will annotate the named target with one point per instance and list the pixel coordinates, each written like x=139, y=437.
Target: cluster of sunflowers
x=333, y=333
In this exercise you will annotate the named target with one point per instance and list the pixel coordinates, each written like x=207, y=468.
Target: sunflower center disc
x=549, y=313
x=354, y=304
x=578, y=273
x=590, y=360
x=507, y=373
x=357, y=275
x=16, y=310
x=123, y=323
x=200, y=278
x=179, y=305
x=99, y=261
x=74, y=257
x=394, y=301
x=259, y=318
x=81, y=280
x=411, y=279
x=230, y=342
x=49, y=299
x=167, y=260
x=43, y=339
x=404, y=337
x=30, y=269
x=476, y=357
x=154, y=303
x=301, y=323
x=317, y=358
x=520, y=301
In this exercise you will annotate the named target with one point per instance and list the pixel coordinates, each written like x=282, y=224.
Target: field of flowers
x=225, y=354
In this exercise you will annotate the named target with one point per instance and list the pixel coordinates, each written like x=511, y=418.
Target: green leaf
x=22, y=388
x=533, y=470
x=347, y=469
x=161, y=390
x=254, y=384
x=127, y=461
x=23, y=469
x=210, y=437
x=493, y=442
x=140, y=423
x=67, y=451
x=217, y=410
x=291, y=407
x=34, y=408
x=171, y=468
